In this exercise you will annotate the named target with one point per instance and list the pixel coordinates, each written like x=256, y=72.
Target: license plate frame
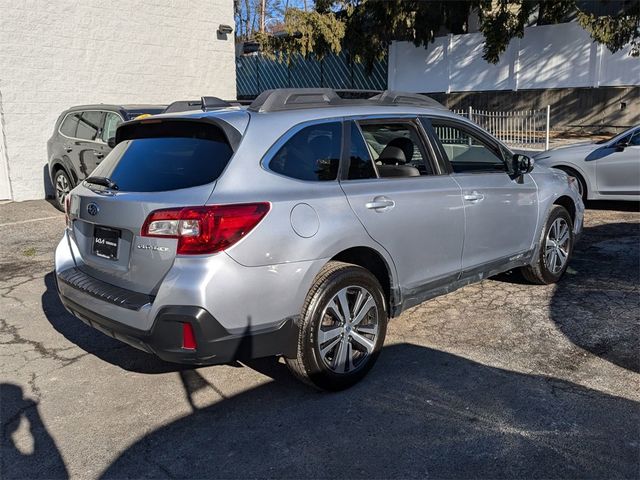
x=105, y=242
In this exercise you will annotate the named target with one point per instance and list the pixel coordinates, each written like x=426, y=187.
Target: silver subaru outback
x=298, y=226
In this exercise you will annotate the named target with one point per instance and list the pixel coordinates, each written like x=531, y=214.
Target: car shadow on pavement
x=98, y=344
x=419, y=413
x=597, y=302
x=27, y=449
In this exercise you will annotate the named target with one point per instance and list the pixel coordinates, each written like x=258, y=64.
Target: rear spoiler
x=209, y=128
x=205, y=104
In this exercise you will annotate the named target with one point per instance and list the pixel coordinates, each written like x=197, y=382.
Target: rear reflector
x=207, y=229
x=188, y=338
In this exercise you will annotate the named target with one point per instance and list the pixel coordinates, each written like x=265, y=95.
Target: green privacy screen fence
x=256, y=73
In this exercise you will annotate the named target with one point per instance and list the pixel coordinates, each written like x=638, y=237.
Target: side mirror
x=620, y=146
x=521, y=164
x=111, y=142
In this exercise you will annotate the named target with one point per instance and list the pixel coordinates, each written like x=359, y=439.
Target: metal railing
x=526, y=129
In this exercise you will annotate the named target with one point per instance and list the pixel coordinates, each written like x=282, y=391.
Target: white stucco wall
x=56, y=54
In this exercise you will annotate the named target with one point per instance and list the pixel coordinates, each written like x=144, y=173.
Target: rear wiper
x=104, y=181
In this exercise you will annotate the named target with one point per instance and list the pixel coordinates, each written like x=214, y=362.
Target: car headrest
x=406, y=144
x=392, y=155
x=321, y=146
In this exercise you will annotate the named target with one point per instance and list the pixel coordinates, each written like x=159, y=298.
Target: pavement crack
x=44, y=352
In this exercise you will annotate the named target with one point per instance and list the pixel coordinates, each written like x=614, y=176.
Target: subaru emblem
x=93, y=209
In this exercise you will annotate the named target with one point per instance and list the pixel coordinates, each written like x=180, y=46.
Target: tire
x=320, y=361
x=62, y=186
x=549, y=264
x=582, y=185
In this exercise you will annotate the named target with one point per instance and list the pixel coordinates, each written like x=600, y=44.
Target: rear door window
x=360, y=163
x=90, y=125
x=312, y=154
x=167, y=158
x=396, y=148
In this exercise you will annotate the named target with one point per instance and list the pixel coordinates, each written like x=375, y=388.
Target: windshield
x=621, y=135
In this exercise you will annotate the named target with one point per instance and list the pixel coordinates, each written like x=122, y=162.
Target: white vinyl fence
x=526, y=130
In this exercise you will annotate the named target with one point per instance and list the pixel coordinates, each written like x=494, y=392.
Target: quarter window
x=70, y=124
x=312, y=154
x=466, y=151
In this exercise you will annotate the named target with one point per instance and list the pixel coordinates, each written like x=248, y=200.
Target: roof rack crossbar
x=297, y=98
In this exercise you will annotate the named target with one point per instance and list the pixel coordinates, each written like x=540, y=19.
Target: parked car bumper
x=214, y=344
x=262, y=324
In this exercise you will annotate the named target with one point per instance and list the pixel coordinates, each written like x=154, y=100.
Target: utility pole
x=263, y=8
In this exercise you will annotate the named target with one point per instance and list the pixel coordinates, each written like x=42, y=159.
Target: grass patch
x=29, y=252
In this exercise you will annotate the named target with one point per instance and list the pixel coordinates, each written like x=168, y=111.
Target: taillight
x=207, y=229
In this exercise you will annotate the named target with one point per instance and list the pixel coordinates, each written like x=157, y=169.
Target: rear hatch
x=156, y=164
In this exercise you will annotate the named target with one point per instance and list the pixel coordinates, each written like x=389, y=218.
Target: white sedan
x=604, y=170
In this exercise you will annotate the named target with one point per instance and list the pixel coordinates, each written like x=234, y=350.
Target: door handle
x=473, y=197
x=68, y=149
x=380, y=203
x=99, y=155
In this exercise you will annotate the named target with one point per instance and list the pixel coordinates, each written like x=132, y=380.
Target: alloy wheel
x=348, y=329
x=62, y=188
x=557, y=246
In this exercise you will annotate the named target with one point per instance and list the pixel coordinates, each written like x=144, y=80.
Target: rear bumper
x=214, y=343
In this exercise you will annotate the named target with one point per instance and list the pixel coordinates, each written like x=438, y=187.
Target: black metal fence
x=256, y=73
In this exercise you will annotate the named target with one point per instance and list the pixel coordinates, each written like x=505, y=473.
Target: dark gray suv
x=80, y=141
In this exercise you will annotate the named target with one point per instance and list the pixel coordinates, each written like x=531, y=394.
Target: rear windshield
x=165, y=163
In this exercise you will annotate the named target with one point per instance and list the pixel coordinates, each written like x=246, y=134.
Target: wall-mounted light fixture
x=225, y=29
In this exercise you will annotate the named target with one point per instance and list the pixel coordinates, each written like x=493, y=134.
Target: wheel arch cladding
x=60, y=165
x=568, y=203
x=570, y=169
x=371, y=260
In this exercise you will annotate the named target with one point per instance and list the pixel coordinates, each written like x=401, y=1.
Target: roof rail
x=296, y=98
x=293, y=98
x=394, y=97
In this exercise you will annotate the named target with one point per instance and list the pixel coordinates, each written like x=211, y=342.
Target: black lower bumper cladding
x=215, y=344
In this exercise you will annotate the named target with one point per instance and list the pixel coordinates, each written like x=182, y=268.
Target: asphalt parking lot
x=497, y=380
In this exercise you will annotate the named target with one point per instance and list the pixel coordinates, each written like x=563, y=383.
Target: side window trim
x=436, y=146
x=413, y=120
x=345, y=161
x=472, y=130
x=279, y=143
x=104, y=116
